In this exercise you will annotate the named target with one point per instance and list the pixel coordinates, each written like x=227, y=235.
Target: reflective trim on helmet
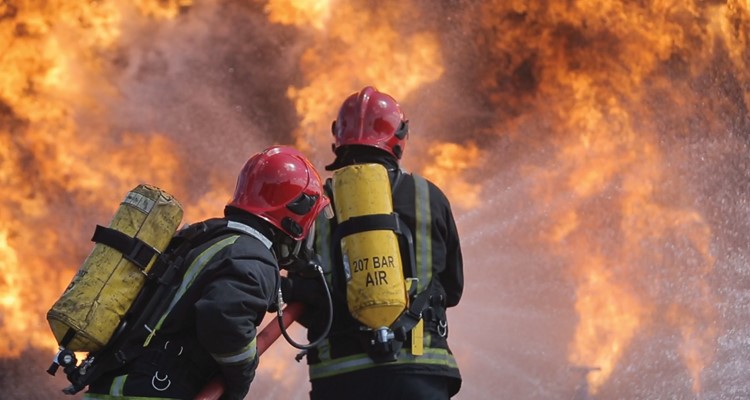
x=361, y=361
x=250, y=231
x=192, y=272
x=423, y=232
x=245, y=355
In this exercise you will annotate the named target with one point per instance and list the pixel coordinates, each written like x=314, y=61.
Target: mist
x=591, y=148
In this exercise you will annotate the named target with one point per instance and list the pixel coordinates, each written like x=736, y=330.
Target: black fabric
x=359, y=154
x=218, y=314
x=173, y=366
x=381, y=383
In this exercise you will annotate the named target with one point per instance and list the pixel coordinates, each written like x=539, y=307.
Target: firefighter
x=232, y=281
x=371, y=129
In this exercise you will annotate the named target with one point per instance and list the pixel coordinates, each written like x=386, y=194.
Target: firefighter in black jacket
x=210, y=326
x=371, y=128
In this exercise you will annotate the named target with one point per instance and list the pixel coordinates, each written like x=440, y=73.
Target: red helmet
x=371, y=118
x=281, y=186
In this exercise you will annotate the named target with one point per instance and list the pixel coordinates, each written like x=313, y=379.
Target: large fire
x=610, y=112
x=594, y=65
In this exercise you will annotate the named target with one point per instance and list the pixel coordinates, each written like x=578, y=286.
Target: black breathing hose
x=280, y=315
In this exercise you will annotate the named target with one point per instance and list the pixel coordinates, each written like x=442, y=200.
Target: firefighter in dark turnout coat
x=371, y=128
x=210, y=325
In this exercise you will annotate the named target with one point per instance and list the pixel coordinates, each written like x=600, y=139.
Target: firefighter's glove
x=305, y=287
x=306, y=265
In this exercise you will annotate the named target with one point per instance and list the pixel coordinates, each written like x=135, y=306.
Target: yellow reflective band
x=118, y=384
x=96, y=396
x=246, y=355
x=423, y=232
x=192, y=272
x=361, y=361
x=324, y=350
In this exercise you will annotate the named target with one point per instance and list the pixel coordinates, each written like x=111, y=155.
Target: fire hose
x=285, y=316
x=214, y=389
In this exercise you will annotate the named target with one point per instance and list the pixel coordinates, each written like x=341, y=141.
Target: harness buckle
x=179, y=353
x=141, y=254
x=442, y=328
x=156, y=378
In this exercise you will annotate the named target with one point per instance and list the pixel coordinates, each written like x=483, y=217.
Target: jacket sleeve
x=231, y=307
x=452, y=278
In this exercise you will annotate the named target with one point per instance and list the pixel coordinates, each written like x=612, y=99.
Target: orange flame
x=344, y=57
x=580, y=83
x=452, y=161
x=312, y=13
x=380, y=56
x=593, y=64
x=52, y=68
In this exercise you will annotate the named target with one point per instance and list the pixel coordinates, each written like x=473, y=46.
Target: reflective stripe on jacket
x=209, y=326
x=341, y=352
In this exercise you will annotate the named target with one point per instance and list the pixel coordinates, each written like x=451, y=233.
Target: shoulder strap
x=422, y=261
x=168, y=265
x=133, y=249
x=150, y=302
x=175, y=275
x=169, y=268
x=423, y=232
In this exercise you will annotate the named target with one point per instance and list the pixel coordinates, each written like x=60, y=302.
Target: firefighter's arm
x=452, y=278
x=227, y=314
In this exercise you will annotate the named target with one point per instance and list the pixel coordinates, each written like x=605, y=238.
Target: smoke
x=573, y=111
x=213, y=80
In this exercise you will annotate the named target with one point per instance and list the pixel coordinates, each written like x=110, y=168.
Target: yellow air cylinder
x=106, y=283
x=376, y=292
